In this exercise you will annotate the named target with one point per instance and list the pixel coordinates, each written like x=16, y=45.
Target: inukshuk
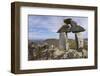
x=70, y=26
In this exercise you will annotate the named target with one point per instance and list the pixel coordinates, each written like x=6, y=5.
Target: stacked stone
x=70, y=26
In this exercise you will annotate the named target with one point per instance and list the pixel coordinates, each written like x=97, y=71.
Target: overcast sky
x=44, y=27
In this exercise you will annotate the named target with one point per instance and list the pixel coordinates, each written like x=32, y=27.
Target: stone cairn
x=70, y=26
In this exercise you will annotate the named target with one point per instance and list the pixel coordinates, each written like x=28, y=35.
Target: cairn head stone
x=70, y=21
x=67, y=21
x=74, y=27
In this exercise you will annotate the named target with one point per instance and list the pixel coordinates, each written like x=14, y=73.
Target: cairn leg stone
x=63, y=41
x=79, y=41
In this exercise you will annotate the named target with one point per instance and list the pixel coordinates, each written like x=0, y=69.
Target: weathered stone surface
x=79, y=40
x=71, y=54
x=58, y=53
x=65, y=28
x=85, y=53
x=63, y=41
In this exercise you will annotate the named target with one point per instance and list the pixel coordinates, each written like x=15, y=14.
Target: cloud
x=47, y=26
x=37, y=35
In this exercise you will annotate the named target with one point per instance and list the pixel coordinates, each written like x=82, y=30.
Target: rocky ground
x=47, y=52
